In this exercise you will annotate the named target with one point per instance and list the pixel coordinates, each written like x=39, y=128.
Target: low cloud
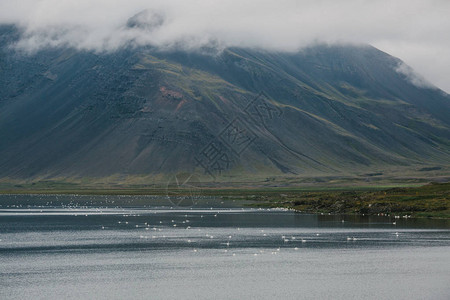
x=415, y=31
x=413, y=76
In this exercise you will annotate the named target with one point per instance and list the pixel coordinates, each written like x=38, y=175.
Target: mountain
x=236, y=113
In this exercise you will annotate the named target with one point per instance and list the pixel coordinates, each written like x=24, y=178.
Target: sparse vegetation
x=432, y=200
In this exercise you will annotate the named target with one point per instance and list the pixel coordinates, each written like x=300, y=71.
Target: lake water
x=223, y=252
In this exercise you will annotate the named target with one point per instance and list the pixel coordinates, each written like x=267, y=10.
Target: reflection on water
x=221, y=252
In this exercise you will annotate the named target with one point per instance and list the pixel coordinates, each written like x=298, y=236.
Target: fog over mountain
x=234, y=91
x=416, y=31
x=239, y=113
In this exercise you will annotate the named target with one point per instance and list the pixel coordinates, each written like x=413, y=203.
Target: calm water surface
x=52, y=250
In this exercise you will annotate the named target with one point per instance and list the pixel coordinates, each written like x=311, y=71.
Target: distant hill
x=237, y=113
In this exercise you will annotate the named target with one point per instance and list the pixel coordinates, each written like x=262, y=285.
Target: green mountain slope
x=326, y=110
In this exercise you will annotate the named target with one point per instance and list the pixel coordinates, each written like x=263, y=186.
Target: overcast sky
x=418, y=32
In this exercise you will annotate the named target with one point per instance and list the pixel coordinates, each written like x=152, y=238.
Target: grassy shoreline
x=427, y=201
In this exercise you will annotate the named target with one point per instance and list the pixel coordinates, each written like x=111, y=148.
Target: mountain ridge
x=324, y=110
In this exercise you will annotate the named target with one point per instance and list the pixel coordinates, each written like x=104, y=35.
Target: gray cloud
x=415, y=31
x=413, y=76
